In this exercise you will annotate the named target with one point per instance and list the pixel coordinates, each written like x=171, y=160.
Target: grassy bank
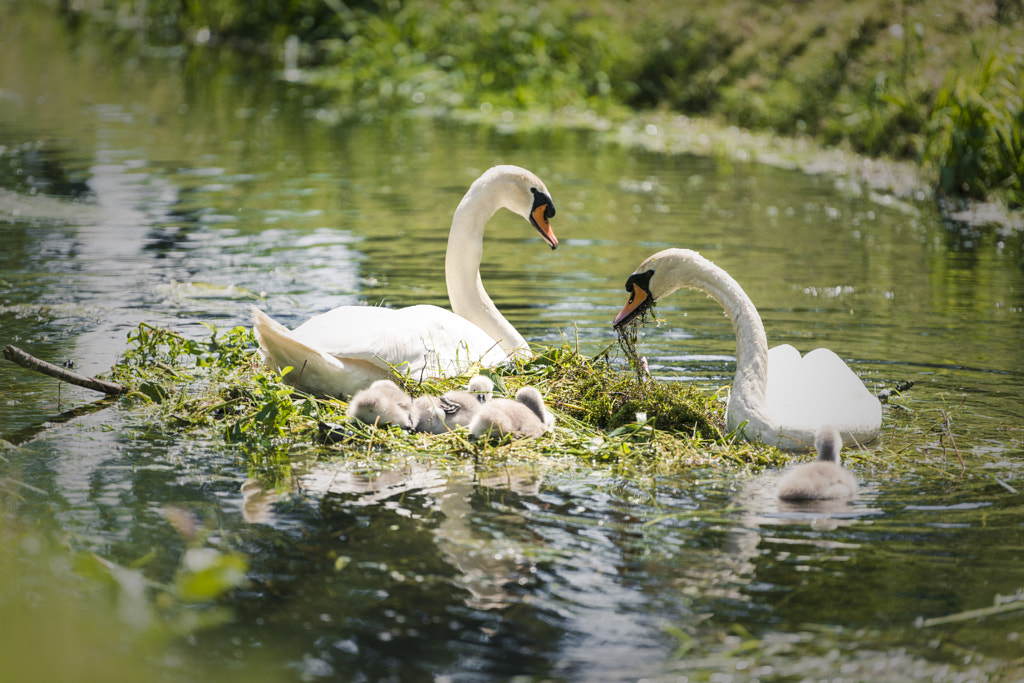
x=937, y=83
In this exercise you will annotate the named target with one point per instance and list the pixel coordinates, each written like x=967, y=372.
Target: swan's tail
x=312, y=371
x=277, y=345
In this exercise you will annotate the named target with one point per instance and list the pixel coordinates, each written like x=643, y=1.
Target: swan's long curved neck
x=462, y=263
x=748, y=395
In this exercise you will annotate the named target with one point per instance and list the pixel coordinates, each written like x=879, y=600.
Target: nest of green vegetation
x=605, y=413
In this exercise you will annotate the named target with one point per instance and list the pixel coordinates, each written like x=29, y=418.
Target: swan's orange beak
x=633, y=307
x=539, y=217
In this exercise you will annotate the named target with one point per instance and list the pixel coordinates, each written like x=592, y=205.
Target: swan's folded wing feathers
x=421, y=341
x=312, y=370
x=819, y=388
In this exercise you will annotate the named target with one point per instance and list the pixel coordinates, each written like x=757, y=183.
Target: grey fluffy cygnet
x=823, y=478
x=381, y=403
x=440, y=414
x=523, y=418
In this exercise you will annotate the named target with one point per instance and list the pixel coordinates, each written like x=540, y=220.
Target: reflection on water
x=486, y=566
x=177, y=194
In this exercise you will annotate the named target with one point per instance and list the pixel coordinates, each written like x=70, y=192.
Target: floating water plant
x=605, y=414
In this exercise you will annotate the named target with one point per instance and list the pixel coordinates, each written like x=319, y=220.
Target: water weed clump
x=215, y=384
x=599, y=393
x=605, y=415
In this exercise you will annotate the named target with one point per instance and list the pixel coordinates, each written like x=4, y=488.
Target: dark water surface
x=177, y=192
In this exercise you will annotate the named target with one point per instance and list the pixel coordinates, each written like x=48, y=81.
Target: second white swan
x=346, y=349
x=778, y=397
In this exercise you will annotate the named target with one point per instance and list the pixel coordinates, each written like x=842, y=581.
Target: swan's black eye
x=639, y=281
x=640, y=300
x=540, y=199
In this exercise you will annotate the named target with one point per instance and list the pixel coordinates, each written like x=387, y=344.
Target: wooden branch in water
x=1002, y=604
x=30, y=362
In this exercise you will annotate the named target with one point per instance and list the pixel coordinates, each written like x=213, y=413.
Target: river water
x=176, y=189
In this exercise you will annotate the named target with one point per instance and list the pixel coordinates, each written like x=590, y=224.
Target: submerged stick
x=1001, y=604
x=29, y=432
x=949, y=432
x=30, y=362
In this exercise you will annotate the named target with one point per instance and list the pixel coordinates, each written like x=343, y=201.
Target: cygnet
x=523, y=418
x=823, y=478
x=531, y=398
x=440, y=414
x=381, y=403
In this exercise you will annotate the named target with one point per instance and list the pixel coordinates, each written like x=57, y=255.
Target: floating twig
x=885, y=394
x=1001, y=604
x=952, y=440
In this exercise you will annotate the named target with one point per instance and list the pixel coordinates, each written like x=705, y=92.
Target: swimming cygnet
x=440, y=414
x=523, y=418
x=381, y=403
x=821, y=479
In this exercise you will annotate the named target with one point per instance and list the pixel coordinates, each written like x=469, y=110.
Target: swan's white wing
x=417, y=339
x=805, y=393
x=347, y=348
x=313, y=370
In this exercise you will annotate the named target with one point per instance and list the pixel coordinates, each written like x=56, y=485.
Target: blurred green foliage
x=976, y=139
x=466, y=52
x=907, y=80
x=72, y=615
x=252, y=23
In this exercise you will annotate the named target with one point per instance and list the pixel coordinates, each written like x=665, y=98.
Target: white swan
x=783, y=399
x=340, y=352
x=823, y=478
